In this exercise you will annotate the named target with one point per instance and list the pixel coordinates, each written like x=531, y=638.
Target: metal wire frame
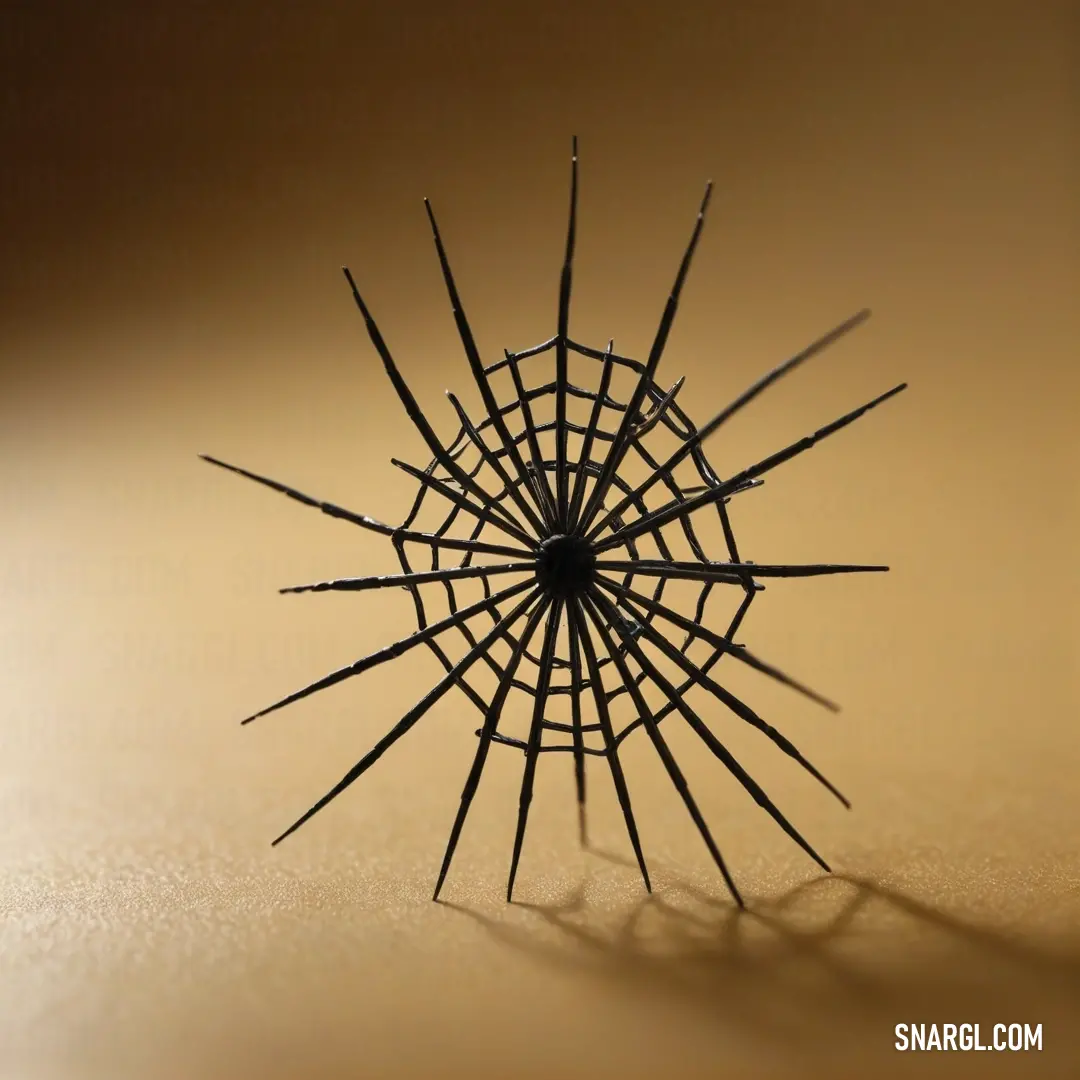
x=555, y=518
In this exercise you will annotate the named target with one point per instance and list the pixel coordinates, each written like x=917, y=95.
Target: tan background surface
x=180, y=188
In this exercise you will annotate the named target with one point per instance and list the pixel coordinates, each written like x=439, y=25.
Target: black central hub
x=566, y=565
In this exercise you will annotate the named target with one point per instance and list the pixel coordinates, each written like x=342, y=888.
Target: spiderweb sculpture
x=547, y=506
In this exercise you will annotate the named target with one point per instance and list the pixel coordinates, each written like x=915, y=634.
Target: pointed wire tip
x=290, y=830
x=222, y=464
x=355, y=291
x=217, y=461
x=848, y=418
x=884, y=397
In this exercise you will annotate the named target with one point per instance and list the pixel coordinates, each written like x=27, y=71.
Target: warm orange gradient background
x=180, y=186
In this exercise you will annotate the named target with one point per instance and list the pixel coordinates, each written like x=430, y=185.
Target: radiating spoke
x=482, y=512
x=706, y=735
x=390, y=581
x=416, y=414
x=398, y=648
x=413, y=715
x=695, y=629
x=561, y=476
x=726, y=413
x=729, y=573
x=532, y=749
x=590, y=437
x=621, y=443
x=487, y=734
x=496, y=465
x=659, y=742
x=579, y=637
x=575, y=722
x=365, y=522
x=539, y=473
x=362, y=520
x=472, y=354
x=693, y=572
x=717, y=656
x=738, y=707
x=674, y=510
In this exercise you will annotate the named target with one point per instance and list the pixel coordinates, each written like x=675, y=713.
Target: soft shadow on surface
x=837, y=954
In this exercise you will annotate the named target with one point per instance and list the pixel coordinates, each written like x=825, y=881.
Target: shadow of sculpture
x=836, y=952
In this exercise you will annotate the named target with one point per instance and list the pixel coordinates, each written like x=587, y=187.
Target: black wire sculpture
x=560, y=538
